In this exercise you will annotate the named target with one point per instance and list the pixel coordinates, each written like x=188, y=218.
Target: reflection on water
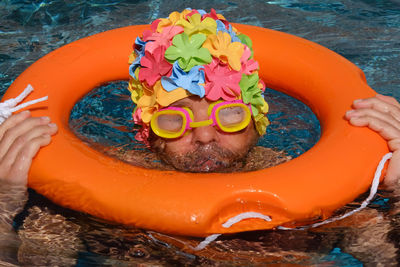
x=48, y=235
x=366, y=32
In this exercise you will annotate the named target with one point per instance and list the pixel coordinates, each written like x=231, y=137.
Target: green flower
x=251, y=93
x=188, y=52
x=244, y=39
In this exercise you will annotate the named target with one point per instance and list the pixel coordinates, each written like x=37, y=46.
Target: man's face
x=205, y=149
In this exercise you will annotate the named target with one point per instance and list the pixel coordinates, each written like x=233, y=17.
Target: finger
x=379, y=105
x=388, y=99
x=21, y=128
x=386, y=130
x=21, y=141
x=394, y=144
x=393, y=171
x=366, y=112
x=12, y=121
x=20, y=168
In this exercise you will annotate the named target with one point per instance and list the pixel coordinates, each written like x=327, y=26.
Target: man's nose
x=205, y=134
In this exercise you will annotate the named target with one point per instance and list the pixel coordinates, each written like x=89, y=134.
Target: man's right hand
x=21, y=137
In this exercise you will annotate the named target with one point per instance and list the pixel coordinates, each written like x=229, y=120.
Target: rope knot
x=9, y=106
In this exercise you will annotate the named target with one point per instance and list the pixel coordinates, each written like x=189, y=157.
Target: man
x=200, y=113
x=195, y=83
x=184, y=66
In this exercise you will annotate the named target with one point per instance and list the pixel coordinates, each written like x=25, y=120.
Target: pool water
x=103, y=119
x=365, y=32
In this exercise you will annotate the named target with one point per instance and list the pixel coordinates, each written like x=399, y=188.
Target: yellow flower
x=147, y=113
x=220, y=46
x=136, y=93
x=147, y=103
x=132, y=57
x=172, y=19
x=261, y=122
x=143, y=97
x=136, y=88
x=264, y=108
x=194, y=25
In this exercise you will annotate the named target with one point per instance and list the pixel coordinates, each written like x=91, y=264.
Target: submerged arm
x=21, y=137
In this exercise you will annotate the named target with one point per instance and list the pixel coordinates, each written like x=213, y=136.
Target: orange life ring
x=334, y=172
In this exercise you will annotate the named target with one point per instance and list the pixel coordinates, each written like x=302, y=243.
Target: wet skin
x=205, y=149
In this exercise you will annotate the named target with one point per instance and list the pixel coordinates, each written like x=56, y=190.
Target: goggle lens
x=168, y=123
x=233, y=117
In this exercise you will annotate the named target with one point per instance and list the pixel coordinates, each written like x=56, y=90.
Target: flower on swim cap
x=193, y=53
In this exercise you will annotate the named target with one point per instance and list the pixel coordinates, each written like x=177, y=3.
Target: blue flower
x=135, y=64
x=139, y=45
x=201, y=11
x=221, y=27
x=139, y=51
x=189, y=81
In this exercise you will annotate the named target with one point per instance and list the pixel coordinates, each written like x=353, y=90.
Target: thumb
x=392, y=177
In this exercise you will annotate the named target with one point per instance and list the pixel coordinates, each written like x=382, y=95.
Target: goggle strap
x=201, y=123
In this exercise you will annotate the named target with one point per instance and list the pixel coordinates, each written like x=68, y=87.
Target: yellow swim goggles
x=228, y=116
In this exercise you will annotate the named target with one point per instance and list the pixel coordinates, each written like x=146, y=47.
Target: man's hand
x=21, y=137
x=381, y=114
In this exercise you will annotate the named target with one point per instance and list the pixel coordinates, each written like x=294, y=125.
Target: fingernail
x=52, y=125
x=45, y=119
x=25, y=112
x=357, y=100
x=350, y=112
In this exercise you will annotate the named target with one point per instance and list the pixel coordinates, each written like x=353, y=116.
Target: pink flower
x=153, y=29
x=154, y=25
x=221, y=81
x=261, y=85
x=154, y=66
x=137, y=116
x=194, y=11
x=143, y=135
x=248, y=65
x=163, y=38
x=143, y=132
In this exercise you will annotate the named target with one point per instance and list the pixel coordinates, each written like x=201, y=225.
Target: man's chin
x=206, y=165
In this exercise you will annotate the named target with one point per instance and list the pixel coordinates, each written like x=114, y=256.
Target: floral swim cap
x=193, y=53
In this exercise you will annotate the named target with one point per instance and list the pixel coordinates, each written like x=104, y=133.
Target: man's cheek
x=234, y=143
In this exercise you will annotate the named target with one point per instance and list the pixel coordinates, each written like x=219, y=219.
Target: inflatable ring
x=306, y=189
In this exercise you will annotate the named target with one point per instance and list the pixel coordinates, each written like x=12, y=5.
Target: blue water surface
x=365, y=32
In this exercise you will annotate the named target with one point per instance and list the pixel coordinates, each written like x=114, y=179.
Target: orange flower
x=220, y=46
x=149, y=101
x=165, y=98
x=172, y=19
